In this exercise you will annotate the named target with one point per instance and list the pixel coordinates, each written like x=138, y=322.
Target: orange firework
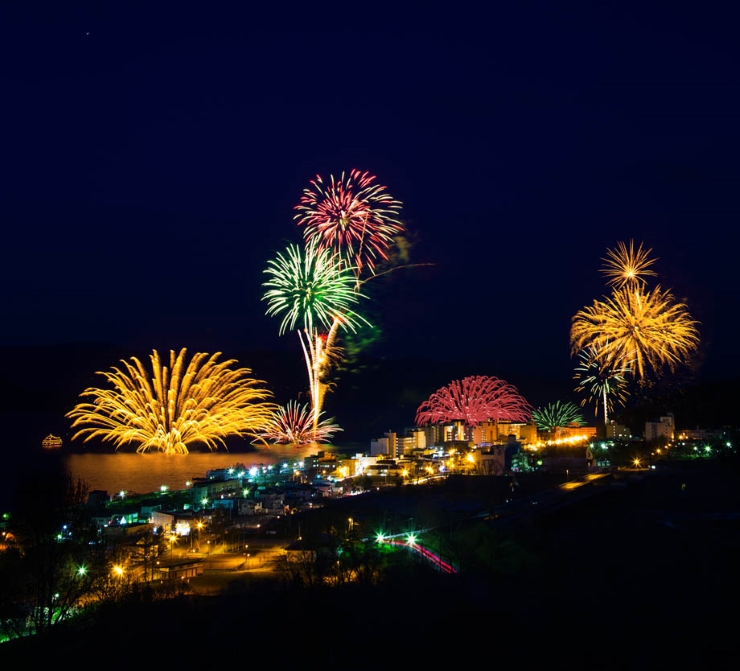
x=201, y=401
x=648, y=328
x=627, y=266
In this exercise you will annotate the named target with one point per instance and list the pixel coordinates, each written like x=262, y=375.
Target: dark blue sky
x=152, y=157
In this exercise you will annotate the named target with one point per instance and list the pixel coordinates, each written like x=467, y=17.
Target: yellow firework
x=627, y=266
x=200, y=402
x=648, y=328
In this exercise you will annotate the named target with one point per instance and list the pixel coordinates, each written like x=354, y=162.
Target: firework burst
x=647, y=328
x=605, y=384
x=352, y=215
x=311, y=287
x=626, y=266
x=293, y=424
x=557, y=415
x=198, y=402
x=474, y=400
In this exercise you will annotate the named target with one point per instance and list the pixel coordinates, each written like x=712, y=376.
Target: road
x=548, y=500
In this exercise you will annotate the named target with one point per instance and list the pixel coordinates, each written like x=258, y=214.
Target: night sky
x=152, y=159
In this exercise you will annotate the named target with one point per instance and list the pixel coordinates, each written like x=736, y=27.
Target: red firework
x=354, y=216
x=475, y=400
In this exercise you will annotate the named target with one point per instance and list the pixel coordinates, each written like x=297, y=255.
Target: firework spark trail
x=200, y=402
x=474, y=400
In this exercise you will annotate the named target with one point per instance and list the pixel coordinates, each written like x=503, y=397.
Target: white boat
x=51, y=442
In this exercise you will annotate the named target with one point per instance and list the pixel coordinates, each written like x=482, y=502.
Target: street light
x=173, y=540
x=199, y=525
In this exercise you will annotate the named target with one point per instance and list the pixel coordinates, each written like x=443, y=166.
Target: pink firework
x=353, y=216
x=294, y=424
x=475, y=400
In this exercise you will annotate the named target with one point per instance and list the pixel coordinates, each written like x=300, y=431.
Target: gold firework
x=182, y=404
x=627, y=266
x=647, y=328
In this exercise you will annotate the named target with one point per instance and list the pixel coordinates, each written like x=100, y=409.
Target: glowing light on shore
x=567, y=441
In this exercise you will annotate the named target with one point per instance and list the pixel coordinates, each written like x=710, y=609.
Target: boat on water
x=51, y=442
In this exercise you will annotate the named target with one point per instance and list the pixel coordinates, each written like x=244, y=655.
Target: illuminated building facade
x=616, y=431
x=665, y=428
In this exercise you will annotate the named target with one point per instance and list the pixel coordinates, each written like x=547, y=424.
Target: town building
x=662, y=429
x=616, y=431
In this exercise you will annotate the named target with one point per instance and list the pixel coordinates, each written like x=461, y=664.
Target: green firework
x=311, y=288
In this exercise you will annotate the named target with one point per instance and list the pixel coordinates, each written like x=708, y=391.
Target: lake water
x=138, y=473
x=142, y=473
x=21, y=454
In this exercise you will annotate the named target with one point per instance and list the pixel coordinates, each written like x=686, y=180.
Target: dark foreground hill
x=636, y=577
